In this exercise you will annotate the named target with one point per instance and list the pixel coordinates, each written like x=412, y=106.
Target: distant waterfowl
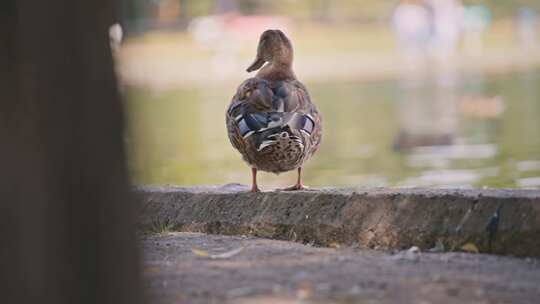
x=271, y=120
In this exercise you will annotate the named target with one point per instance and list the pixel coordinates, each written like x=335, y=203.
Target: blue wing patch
x=251, y=123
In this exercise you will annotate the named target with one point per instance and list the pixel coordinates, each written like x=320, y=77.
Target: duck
x=271, y=119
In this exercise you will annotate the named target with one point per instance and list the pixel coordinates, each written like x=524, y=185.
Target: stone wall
x=495, y=221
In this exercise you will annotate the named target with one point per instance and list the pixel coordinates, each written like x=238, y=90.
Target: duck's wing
x=309, y=126
x=261, y=108
x=253, y=95
x=259, y=95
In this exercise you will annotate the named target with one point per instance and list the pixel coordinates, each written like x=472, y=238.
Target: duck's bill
x=257, y=64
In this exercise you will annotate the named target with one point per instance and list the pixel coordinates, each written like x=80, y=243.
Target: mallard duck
x=271, y=120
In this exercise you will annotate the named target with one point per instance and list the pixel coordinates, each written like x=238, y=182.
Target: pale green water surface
x=442, y=131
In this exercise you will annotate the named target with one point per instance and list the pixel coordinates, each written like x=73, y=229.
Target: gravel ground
x=200, y=268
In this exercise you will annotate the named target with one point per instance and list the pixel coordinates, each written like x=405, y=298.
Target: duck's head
x=275, y=48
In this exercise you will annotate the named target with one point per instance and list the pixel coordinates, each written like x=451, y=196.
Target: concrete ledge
x=496, y=221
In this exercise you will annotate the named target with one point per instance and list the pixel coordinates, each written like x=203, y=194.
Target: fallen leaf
x=200, y=252
x=333, y=244
x=225, y=255
x=470, y=247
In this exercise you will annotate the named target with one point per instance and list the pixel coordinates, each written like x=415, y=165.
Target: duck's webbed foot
x=299, y=184
x=296, y=187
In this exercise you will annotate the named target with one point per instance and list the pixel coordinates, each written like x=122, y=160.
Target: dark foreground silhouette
x=65, y=217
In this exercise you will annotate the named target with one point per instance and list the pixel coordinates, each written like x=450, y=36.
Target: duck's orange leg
x=254, y=187
x=299, y=184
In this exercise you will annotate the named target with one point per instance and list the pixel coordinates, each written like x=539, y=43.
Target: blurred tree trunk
x=65, y=216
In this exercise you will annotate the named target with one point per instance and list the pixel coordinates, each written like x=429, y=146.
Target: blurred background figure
x=475, y=23
x=167, y=12
x=527, y=24
x=411, y=24
x=227, y=33
x=447, y=24
x=427, y=115
x=427, y=97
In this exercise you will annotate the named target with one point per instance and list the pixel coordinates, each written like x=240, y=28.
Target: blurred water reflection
x=446, y=130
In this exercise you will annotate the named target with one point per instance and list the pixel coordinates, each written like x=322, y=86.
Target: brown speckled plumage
x=271, y=120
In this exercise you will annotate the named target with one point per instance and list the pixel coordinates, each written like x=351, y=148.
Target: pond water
x=446, y=130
